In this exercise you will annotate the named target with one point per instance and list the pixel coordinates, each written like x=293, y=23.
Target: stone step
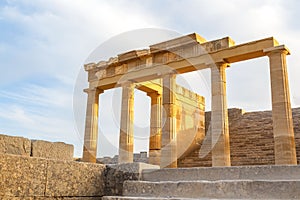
x=141, y=198
x=237, y=189
x=287, y=172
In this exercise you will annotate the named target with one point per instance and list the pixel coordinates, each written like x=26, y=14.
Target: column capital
x=278, y=49
x=218, y=64
x=92, y=90
x=168, y=73
x=155, y=94
x=127, y=83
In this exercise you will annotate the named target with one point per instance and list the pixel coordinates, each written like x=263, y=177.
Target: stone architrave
x=126, y=125
x=219, y=116
x=91, y=125
x=168, y=140
x=155, y=129
x=284, y=141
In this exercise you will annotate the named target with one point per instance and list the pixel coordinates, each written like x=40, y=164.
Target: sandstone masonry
x=35, y=148
x=15, y=145
x=251, y=140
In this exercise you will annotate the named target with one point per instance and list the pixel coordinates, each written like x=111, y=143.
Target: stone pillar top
x=127, y=82
x=280, y=48
x=168, y=72
x=88, y=90
x=218, y=64
x=153, y=94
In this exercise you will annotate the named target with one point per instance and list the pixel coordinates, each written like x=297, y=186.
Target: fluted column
x=285, y=151
x=126, y=124
x=219, y=116
x=91, y=125
x=155, y=129
x=168, y=140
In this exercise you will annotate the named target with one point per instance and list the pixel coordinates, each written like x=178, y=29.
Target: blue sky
x=44, y=44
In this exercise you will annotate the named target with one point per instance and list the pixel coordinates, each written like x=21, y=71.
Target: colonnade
x=162, y=142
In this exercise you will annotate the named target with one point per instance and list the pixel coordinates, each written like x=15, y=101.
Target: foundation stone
x=22, y=176
x=67, y=178
x=115, y=175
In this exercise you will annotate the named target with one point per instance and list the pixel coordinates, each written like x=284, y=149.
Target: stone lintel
x=280, y=48
x=133, y=55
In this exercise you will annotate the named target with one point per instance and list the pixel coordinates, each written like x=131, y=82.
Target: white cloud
x=59, y=34
x=40, y=96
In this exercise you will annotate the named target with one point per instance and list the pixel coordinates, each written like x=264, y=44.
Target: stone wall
x=31, y=178
x=251, y=140
x=38, y=178
x=35, y=148
x=25, y=175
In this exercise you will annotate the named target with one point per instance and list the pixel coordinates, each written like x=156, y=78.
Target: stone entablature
x=162, y=53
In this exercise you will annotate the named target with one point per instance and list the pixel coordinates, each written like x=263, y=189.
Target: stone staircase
x=248, y=182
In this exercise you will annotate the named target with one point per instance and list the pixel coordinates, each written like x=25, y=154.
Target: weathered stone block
x=63, y=198
x=17, y=198
x=49, y=198
x=74, y=179
x=15, y=145
x=115, y=175
x=239, y=189
x=22, y=176
x=53, y=150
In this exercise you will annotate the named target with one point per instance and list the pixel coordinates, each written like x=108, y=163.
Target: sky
x=44, y=44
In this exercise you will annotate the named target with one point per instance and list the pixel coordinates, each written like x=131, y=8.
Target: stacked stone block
x=35, y=148
x=251, y=139
x=38, y=178
x=15, y=145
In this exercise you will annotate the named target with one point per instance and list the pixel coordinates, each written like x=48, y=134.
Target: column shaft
x=168, y=140
x=285, y=151
x=155, y=129
x=219, y=117
x=126, y=124
x=91, y=126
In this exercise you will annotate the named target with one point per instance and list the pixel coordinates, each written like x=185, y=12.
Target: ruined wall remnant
x=53, y=150
x=15, y=145
x=251, y=139
x=35, y=148
x=38, y=178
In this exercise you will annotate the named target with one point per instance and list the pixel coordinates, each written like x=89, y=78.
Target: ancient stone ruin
x=154, y=71
x=248, y=155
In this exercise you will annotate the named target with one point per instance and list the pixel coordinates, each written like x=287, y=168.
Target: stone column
x=168, y=140
x=126, y=124
x=91, y=125
x=219, y=116
x=285, y=151
x=155, y=129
